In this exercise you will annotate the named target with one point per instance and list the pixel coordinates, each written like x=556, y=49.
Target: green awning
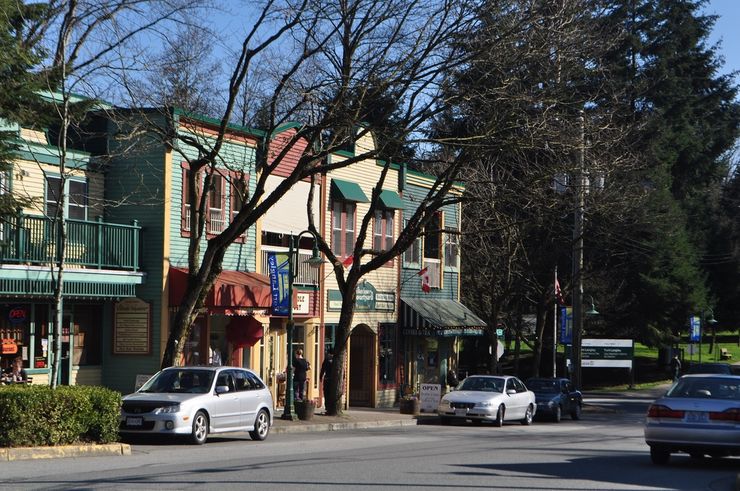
x=390, y=200
x=439, y=317
x=347, y=191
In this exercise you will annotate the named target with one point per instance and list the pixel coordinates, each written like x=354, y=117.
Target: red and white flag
x=348, y=261
x=559, y=292
x=426, y=287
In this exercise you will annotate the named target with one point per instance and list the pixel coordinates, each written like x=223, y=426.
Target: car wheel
x=557, y=414
x=528, y=415
x=500, y=416
x=200, y=428
x=575, y=414
x=659, y=455
x=445, y=420
x=261, y=426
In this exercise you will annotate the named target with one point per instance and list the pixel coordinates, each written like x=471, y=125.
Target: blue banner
x=566, y=325
x=694, y=328
x=278, y=265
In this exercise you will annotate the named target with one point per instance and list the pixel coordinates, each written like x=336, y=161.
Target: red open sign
x=17, y=315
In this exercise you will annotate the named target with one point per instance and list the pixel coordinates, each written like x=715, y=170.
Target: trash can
x=305, y=409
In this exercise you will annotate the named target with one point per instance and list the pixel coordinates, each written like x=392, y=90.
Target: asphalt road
x=603, y=451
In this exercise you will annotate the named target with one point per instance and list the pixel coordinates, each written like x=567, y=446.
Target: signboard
x=132, y=327
x=445, y=332
x=367, y=299
x=694, y=328
x=302, y=303
x=278, y=265
x=429, y=396
x=613, y=353
x=499, y=332
x=566, y=325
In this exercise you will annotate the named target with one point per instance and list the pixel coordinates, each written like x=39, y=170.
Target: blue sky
x=727, y=30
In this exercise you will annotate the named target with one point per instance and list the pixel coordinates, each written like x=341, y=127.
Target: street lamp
x=315, y=262
x=705, y=319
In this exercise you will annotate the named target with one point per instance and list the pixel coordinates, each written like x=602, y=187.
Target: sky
x=727, y=30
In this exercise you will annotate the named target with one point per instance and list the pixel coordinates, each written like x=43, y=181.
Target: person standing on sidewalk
x=675, y=367
x=300, y=367
x=325, y=373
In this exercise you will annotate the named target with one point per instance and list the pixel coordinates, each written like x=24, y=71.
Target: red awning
x=232, y=291
x=243, y=331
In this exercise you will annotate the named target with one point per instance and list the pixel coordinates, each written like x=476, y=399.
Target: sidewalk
x=354, y=418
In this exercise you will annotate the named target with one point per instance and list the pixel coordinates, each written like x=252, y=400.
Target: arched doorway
x=361, y=366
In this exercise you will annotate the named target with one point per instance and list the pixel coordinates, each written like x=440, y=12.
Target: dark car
x=721, y=368
x=555, y=396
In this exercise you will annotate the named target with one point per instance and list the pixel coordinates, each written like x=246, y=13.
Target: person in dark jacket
x=300, y=367
x=675, y=367
x=326, y=371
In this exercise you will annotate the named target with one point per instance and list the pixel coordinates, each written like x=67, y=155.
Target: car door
x=516, y=400
x=569, y=396
x=226, y=406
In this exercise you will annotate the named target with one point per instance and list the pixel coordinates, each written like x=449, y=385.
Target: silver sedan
x=197, y=401
x=699, y=415
x=488, y=398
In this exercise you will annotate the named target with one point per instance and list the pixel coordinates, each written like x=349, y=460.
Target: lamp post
x=705, y=319
x=315, y=261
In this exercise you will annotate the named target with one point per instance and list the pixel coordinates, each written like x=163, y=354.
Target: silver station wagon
x=198, y=401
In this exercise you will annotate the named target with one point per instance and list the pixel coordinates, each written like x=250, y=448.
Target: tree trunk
x=538, y=341
x=339, y=367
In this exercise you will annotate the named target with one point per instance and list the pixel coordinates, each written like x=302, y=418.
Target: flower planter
x=305, y=409
x=409, y=406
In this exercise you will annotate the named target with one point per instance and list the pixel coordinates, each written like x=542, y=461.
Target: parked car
x=724, y=368
x=699, y=415
x=488, y=398
x=197, y=401
x=555, y=396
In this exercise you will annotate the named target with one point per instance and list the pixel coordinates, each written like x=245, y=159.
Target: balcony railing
x=28, y=239
x=306, y=274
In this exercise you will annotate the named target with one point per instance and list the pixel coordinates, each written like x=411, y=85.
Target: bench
x=724, y=355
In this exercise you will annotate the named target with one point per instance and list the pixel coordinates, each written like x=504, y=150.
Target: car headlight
x=175, y=408
x=484, y=404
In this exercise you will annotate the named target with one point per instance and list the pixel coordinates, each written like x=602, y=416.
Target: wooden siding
x=29, y=181
x=289, y=162
x=92, y=375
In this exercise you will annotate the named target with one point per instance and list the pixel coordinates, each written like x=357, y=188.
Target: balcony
x=32, y=240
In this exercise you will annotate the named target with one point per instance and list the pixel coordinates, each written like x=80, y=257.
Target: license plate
x=461, y=412
x=696, y=417
x=138, y=421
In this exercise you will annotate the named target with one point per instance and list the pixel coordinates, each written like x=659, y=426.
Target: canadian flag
x=559, y=293
x=425, y=286
x=348, y=262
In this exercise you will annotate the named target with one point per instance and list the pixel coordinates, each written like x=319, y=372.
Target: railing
x=29, y=239
x=306, y=274
x=434, y=271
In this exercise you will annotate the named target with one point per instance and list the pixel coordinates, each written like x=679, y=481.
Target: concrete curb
x=64, y=451
x=357, y=425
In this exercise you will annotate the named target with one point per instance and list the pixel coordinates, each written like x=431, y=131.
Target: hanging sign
x=9, y=347
x=278, y=265
x=694, y=328
x=566, y=325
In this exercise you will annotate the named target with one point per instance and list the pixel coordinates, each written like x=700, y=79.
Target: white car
x=488, y=398
x=197, y=401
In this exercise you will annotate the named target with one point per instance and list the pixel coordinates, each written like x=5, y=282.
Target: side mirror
x=222, y=389
x=511, y=392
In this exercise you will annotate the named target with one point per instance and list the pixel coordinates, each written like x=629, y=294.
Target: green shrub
x=38, y=415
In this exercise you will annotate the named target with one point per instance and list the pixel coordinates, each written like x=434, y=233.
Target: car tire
x=528, y=416
x=575, y=414
x=557, y=414
x=261, y=426
x=199, y=434
x=444, y=420
x=499, y=422
x=659, y=456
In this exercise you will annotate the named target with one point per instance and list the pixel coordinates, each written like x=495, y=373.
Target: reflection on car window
x=706, y=388
x=542, y=385
x=482, y=384
x=190, y=381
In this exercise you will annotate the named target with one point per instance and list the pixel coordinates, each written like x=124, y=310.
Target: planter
x=305, y=409
x=409, y=406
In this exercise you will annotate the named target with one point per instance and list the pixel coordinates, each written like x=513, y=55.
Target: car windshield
x=541, y=385
x=191, y=381
x=706, y=388
x=482, y=384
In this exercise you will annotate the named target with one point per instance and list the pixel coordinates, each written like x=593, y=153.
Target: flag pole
x=555, y=326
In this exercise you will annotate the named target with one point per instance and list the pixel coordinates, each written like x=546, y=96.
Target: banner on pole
x=694, y=328
x=278, y=264
x=566, y=325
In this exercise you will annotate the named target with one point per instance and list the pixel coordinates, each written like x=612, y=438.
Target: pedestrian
x=300, y=367
x=675, y=367
x=326, y=371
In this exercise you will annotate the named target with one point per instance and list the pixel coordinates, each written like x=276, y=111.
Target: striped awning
x=439, y=317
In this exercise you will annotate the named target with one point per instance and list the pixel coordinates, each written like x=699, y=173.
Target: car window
x=706, y=388
x=226, y=379
x=518, y=385
x=510, y=384
x=482, y=384
x=241, y=380
x=175, y=380
x=542, y=385
x=256, y=382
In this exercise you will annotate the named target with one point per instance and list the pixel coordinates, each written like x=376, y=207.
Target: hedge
x=37, y=415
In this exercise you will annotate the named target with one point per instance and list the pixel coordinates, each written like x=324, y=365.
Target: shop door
x=361, y=366
x=66, y=361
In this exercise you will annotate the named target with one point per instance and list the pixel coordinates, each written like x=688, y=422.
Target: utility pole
x=580, y=196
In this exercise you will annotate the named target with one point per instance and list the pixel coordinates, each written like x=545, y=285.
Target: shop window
x=330, y=333
x=387, y=354
x=343, y=228
x=87, y=320
x=14, y=331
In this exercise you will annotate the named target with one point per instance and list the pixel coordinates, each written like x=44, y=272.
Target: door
x=66, y=359
x=227, y=408
x=361, y=366
x=517, y=401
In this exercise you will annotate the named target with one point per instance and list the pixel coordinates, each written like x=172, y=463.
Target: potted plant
x=305, y=409
x=409, y=403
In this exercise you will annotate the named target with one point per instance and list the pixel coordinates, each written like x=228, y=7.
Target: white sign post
x=430, y=394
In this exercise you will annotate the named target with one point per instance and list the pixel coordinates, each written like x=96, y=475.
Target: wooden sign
x=132, y=327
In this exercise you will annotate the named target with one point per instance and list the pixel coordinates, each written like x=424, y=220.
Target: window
x=432, y=237
x=412, y=255
x=237, y=197
x=185, y=224
x=383, y=230
x=330, y=331
x=216, y=205
x=452, y=249
x=387, y=354
x=343, y=228
x=76, y=202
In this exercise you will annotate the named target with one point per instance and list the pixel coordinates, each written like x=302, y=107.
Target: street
x=603, y=451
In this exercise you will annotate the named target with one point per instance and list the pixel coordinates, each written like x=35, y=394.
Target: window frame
x=415, y=246
x=452, y=241
x=66, y=190
x=342, y=209
x=383, y=218
x=234, y=178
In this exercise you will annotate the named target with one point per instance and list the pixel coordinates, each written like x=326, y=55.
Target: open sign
x=8, y=346
x=17, y=315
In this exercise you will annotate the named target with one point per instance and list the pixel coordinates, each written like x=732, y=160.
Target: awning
x=232, y=292
x=439, y=317
x=243, y=331
x=390, y=200
x=347, y=191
